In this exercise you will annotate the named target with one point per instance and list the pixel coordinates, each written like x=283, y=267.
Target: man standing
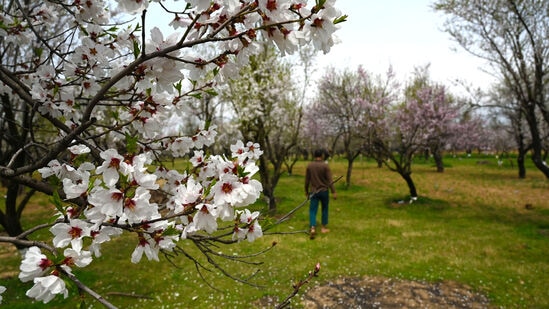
x=318, y=180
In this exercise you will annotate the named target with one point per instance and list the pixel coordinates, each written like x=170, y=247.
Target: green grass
x=470, y=225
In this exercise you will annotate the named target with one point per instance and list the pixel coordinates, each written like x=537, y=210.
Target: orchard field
x=476, y=224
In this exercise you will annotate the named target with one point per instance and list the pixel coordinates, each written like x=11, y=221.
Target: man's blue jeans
x=323, y=197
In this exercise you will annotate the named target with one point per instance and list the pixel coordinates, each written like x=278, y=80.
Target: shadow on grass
x=531, y=223
x=422, y=203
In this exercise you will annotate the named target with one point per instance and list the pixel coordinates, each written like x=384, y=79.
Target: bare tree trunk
x=437, y=156
x=520, y=160
x=11, y=220
x=349, y=172
x=537, y=147
x=411, y=186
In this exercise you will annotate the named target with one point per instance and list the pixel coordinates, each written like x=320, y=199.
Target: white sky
x=404, y=34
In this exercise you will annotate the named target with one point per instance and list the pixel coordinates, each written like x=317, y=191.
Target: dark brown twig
x=298, y=285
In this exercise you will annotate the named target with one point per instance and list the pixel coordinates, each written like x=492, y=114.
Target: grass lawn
x=476, y=224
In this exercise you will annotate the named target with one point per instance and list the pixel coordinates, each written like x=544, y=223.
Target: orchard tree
x=305, y=61
x=511, y=36
x=441, y=116
x=86, y=96
x=338, y=111
x=469, y=131
x=402, y=130
x=508, y=116
x=265, y=102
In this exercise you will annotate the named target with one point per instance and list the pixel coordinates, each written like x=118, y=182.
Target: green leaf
x=136, y=50
x=340, y=19
x=171, y=231
x=178, y=87
x=57, y=202
x=131, y=143
x=211, y=92
x=38, y=52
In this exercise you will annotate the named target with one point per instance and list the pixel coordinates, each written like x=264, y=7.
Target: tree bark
x=537, y=147
x=11, y=220
x=520, y=162
x=411, y=186
x=437, y=156
x=349, y=172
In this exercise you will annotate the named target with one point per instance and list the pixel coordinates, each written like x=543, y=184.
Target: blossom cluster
x=230, y=28
x=99, y=80
x=118, y=197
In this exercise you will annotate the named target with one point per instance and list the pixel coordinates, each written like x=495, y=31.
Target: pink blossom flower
x=251, y=189
x=243, y=153
x=74, y=188
x=173, y=179
x=238, y=149
x=205, y=137
x=254, y=150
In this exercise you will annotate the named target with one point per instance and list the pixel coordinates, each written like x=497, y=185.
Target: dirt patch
x=378, y=292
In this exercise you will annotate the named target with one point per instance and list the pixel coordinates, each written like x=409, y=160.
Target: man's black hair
x=319, y=153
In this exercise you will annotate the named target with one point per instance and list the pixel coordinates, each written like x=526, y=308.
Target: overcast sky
x=404, y=34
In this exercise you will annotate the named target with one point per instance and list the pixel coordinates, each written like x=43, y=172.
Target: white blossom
x=34, y=264
x=45, y=288
x=2, y=290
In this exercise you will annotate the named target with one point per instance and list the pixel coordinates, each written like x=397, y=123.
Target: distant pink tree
x=471, y=132
x=340, y=114
x=374, y=115
x=421, y=121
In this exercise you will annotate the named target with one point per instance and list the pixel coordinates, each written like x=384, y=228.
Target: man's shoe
x=312, y=233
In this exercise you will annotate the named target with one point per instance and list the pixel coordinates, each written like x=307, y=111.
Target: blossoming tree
x=86, y=94
x=343, y=108
x=375, y=115
x=266, y=103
